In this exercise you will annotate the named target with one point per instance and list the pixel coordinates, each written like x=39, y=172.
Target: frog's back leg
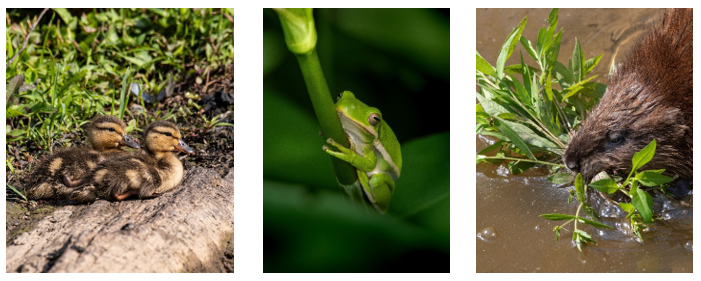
x=379, y=191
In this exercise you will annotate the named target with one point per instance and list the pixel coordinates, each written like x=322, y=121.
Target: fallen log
x=190, y=229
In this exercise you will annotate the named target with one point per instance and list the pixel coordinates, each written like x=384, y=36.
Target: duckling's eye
x=168, y=134
x=111, y=129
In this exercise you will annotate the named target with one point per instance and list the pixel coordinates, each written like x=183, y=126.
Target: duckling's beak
x=184, y=148
x=128, y=141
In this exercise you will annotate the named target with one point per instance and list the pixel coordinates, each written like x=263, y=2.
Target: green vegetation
x=397, y=60
x=640, y=208
x=300, y=38
x=125, y=62
x=533, y=121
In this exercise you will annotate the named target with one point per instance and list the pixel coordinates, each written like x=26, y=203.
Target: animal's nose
x=572, y=165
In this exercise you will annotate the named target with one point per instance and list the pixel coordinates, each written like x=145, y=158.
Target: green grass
x=79, y=63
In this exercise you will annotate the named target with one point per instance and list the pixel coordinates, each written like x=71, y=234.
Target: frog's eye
x=374, y=119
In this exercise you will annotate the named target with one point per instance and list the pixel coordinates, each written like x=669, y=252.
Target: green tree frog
x=374, y=151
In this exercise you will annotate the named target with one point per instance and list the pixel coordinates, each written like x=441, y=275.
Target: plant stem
x=524, y=160
x=325, y=112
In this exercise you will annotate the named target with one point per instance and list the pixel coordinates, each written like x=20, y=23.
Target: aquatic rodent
x=649, y=96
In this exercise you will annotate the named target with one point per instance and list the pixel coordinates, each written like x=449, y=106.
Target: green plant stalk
x=523, y=160
x=300, y=38
x=326, y=112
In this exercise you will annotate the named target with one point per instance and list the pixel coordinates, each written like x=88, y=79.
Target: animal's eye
x=168, y=134
x=617, y=138
x=374, y=119
x=111, y=129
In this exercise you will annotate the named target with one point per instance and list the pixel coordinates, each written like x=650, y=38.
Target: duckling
x=146, y=175
x=58, y=174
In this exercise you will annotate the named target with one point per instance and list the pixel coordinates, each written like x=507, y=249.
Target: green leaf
x=14, y=85
x=643, y=156
x=560, y=178
x=497, y=144
x=484, y=66
x=557, y=217
x=607, y=186
x=562, y=72
x=642, y=202
x=626, y=207
x=653, y=178
x=508, y=47
x=16, y=133
x=585, y=237
x=574, y=89
x=16, y=110
x=64, y=14
x=578, y=61
x=529, y=48
x=552, y=23
x=553, y=51
x=42, y=107
x=531, y=138
x=491, y=107
x=515, y=69
x=18, y=192
x=513, y=137
x=590, y=64
x=593, y=223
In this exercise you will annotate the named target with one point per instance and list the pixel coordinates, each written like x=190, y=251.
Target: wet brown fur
x=650, y=96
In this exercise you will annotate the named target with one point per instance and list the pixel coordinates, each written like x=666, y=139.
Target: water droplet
x=488, y=234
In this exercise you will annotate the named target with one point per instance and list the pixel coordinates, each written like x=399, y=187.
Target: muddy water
x=511, y=237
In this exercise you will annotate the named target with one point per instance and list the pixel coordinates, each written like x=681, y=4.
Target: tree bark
x=190, y=229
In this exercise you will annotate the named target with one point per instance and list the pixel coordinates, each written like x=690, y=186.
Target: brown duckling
x=146, y=175
x=58, y=174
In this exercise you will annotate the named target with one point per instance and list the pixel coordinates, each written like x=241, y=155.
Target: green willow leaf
x=642, y=202
x=593, y=223
x=560, y=178
x=653, y=178
x=509, y=46
x=513, y=137
x=529, y=48
x=643, y=156
x=557, y=217
x=484, y=66
x=590, y=64
x=626, y=207
x=607, y=186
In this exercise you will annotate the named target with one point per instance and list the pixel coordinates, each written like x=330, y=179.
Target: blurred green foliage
x=76, y=64
x=397, y=60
